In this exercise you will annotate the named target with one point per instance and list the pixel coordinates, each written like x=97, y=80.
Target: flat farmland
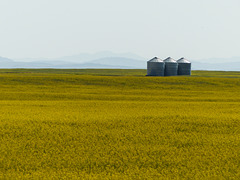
x=118, y=124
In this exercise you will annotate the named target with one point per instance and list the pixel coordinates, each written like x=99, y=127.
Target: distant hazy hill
x=113, y=60
x=219, y=60
x=104, y=59
x=86, y=57
x=5, y=60
x=230, y=66
x=121, y=62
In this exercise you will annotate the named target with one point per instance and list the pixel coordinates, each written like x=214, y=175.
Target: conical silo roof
x=155, y=59
x=169, y=60
x=183, y=60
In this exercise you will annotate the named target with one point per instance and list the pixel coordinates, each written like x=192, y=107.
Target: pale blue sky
x=54, y=28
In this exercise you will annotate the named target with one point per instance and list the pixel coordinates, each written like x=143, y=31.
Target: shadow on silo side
x=184, y=67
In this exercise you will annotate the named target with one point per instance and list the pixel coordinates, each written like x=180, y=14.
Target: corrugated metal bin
x=171, y=67
x=155, y=67
x=184, y=67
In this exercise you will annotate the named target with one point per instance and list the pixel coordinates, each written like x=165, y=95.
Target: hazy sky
x=54, y=28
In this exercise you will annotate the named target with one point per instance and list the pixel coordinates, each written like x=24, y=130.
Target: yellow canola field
x=119, y=124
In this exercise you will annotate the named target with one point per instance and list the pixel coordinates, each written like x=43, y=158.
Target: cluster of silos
x=168, y=67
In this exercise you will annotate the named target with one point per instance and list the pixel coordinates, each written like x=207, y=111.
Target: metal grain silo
x=155, y=67
x=184, y=67
x=171, y=67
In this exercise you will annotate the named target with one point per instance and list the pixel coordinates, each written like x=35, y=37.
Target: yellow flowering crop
x=119, y=124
